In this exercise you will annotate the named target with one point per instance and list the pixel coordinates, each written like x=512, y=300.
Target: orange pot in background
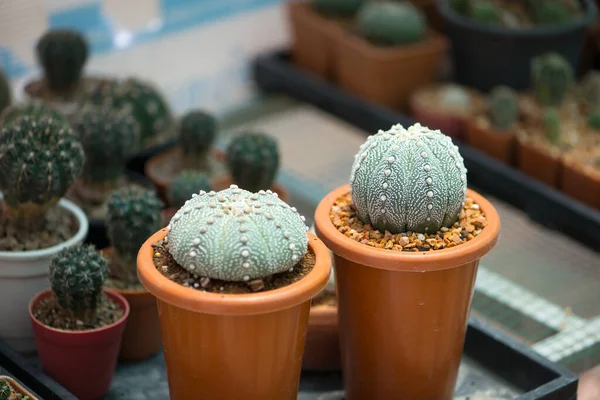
x=322, y=351
x=538, y=164
x=403, y=315
x=579, y=185
x=498, y=145
x=226, y=181
x=222, y=346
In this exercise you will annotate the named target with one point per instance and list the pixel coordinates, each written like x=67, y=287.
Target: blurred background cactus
x=550, y=12
x=589, y=88
x=485, y=12
x=552, y=77
x=185, y=183
x=454, y=97
x=337, y=8
x=503, y=108
x=551, y=126
x=77, y=276
x=390, y=23
x=264, y=235
x=197, y=134
x=423, y=198
x=133, y=215
x=35, y=110
x=253, y=161
x=62, y=53
x=593, y=119
x=5, y=92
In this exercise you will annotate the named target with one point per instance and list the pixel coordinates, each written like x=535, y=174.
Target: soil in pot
x=11, y=390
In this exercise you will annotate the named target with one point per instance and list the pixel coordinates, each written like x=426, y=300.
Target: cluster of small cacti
x=408, y=180
x=503, y=108
x=5, y=92
x=551, y=125
x=337, y=8
x=35, y=110
x=552, y=77
x=236, y=235
x=77, y=275
x=390, y=23
x=197, y=133
x=454, y=97
x=184, y=184
x=253, y=161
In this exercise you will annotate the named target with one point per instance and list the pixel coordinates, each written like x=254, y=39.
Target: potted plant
x=239, y=270
x=493, y=132
x=181, y=188
x=12, y=390
x=78, y=326
x=484, y=35
x=389, y=55
x=407, y=236
x=40, y=158
x=252, y=160
x=315, y=25
x=194, y=151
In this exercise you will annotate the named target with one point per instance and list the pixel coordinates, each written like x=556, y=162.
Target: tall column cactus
x=133, y=215
x=235, y=235
x=253, y=161
x=408, y=180
x=197, y=133
x=185, y=183
x=77, y=275
x=389, y=23
x=503, y=108
x=552, y=77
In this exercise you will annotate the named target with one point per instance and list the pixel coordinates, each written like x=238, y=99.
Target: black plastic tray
x=545, y=205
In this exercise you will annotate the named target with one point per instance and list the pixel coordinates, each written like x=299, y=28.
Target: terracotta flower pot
x=18, y=387
x=403, y=315
x=224, y=183
x=141, y=339
x=579, y=185
x=538, y=164
x=223, y=346
x=388, y=75
x=82, y=361
x=322, y=351
x=498, y=145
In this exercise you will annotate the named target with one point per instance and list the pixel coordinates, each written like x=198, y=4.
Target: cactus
x=133, y=215
x=551, y=123
x=388, y=24
x=253, y=161
x=485, y=12
x=235, y=235
x=594, y=119
x=504, y=108
x=77, y=275
x=185, y=183
x=408, y=180
x=337, y=8
x=589, y=89
x=5, y=92
x=35, y=110
x=197, y=133
x=5, y=390
x=552, y=75
x=109, y=137
x=550, y=12
x=39, y=159
x=460, y=6
x=62, y=54
x=454, y=97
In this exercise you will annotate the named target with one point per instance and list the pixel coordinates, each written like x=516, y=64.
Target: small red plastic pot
x=82, y=361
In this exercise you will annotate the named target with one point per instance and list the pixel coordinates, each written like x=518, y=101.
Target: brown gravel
x=168, y=267
x=470, y=224
x=14, y=394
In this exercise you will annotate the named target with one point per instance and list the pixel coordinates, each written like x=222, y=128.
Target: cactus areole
x=408, y=180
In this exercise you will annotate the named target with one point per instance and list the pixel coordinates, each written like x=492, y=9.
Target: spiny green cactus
x=5, y=92
x=35, y=110
x=109, y=137
x=551, y=124
x=552, y=76
x=185, y=183
x=408, y=180
x=133, y=215
x=77, y=275
x=388, y=23
x=62, y=53
x=197, y=133
x=235, y=235
x=5, y=390
x=594, y=119
x=253, y=161
x=337, y=8
x=589, y=88
x=485, y=12
x=504, y=108
x=550, y=12
x=454, y=97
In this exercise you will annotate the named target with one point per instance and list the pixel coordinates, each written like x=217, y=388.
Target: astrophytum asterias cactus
x=408, y=180
x=235, y=235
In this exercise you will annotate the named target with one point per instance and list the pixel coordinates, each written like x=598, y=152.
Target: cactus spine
x=551, y=122
x=504, y=108
x=253, y=161
x=390, y=23
x=337, y=8
x=552, y=76
x=185, y=183
x=197, y=133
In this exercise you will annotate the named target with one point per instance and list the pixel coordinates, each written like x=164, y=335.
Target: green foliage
x=485, y=12
x=5, y=92
x=197, y=133
x=337, y=8
x=253, y=161
x=389, y=23
x=185, y=183
x=504, y=108
x=551, y=124
x=552, y=76
x=594, y=119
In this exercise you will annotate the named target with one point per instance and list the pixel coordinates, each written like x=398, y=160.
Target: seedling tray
x=275, y=73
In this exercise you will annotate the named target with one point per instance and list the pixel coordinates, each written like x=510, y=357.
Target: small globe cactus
x=62, y=53
x=550, y=12
x=185, y=183
x=485, y=12
x=594, y=119
x=5, y=92
x=408, y=180
x=589, y=88
x=5, y=390
x=454, y=97
x=197, y=133
x=337, y=8
x=35, y=110
x=133, y=215
x=253, y=161
x=109, y=137
x=390, y=23
x=504, y=108
x=551, y=125
x=235, y=235
x=552, y=76
x=77, y=275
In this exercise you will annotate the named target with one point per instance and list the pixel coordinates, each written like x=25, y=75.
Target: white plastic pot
x=22, y=275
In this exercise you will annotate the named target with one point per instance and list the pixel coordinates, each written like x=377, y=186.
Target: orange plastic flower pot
x=233, y=346
x=403, y=315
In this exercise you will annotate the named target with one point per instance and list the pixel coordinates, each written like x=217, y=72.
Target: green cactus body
x=551, y=123
x=235, y=235
x=5, y=390
x=62, y=54
x=594, y=119
x=77, y=275
x=589, y=89
x=197, y=133
x=133, y=215
x=35, y=110
x=5, y=92
x=408, y=180
x=337, y=8
x=504, y=108
x=185, y=183
x=485, y=12
x=552, y=76
x=109, y=137
x=460, y=6
x=253, y=161
x=454, y=97
x=388, y=23
x=551, y=12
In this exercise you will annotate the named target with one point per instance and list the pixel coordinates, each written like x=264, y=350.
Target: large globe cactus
x=197, y=133
x=236, y=235
x=408, y=180
x=389, y=23
x=253, y=161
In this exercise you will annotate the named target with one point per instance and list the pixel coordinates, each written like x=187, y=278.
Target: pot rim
x=18, y=386
x=109, y=292
x=234, y=304
x=78, y=237
x=435, y=260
